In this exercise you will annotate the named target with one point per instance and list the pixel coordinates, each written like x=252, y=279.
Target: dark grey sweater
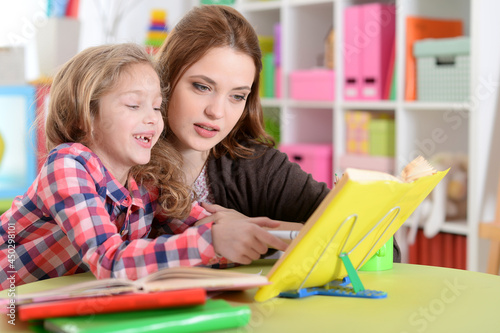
x=267, y=185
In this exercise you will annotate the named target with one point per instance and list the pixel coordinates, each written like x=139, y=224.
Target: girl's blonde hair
x=200, y=30
x=74, y=103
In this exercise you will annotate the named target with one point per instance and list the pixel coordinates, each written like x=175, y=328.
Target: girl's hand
x=244, y=241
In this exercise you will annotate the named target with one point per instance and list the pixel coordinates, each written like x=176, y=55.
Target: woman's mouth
x=205, y=130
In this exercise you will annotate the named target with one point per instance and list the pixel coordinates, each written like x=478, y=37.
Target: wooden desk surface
x=420, y=299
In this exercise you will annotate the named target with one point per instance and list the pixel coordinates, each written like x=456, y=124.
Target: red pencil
x=112, y=303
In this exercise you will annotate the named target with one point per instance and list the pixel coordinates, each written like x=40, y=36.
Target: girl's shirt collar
x=121, y=195
x=114, y=189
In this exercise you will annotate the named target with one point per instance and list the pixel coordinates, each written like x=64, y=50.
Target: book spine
x=390, y=77
x=424, y=252
x=110, y=304
x=436, y=250
x=217, y=319
x=413, y=251
x=460, y=251
x=448, y=248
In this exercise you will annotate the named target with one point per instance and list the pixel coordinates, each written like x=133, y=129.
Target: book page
x=207, y=283
x=416, y=169
x=174, y=278
x=83, y=289
x=191, y=273
x=359, y=175
x=200, y=277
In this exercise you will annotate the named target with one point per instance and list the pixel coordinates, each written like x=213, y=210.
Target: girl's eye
x=201, y=87
x=157, y=109
x=133, y=107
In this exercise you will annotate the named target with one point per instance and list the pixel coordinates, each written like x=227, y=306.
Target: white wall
x=21, y=20
x=134, y=23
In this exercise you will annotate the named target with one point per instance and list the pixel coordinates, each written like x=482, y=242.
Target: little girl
x=104, y=181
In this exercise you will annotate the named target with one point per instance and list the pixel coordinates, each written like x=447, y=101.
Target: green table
x=420, y=299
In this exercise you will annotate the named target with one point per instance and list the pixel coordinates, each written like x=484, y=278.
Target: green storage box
x=443, y=69
x=217, y=2
x=381, y=137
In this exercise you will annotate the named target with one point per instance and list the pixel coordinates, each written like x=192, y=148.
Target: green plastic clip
x=356, y=283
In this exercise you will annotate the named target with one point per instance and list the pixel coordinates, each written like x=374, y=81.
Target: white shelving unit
x=305, y=24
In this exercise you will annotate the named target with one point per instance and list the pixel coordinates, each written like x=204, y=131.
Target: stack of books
x=172, y=299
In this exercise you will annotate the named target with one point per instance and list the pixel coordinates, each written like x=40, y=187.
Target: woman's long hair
x=200, y=30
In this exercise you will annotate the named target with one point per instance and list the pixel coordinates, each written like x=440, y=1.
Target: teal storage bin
x=443, y=69
x=217, y=2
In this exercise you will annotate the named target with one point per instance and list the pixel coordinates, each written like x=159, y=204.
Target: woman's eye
x=201, y=87
x=240, y=97
x=134, y=107
x=157, y=109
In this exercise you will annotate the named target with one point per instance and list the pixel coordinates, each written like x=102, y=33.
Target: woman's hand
x=226, y=215
x=242, y=242
x=238, y=237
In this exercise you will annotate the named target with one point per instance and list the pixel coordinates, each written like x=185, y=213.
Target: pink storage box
x=314, y=84
x=315, y=159
x=367, y=162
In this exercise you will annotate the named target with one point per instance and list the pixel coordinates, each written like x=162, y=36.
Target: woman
x=212, y=60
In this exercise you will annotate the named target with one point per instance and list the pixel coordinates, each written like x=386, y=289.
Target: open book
x=174, y=278
x=356, y=219
x=414, y=170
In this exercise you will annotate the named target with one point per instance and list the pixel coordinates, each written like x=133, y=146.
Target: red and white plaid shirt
x=76, y=217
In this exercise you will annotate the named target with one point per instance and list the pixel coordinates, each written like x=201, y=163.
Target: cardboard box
x=57, y=42
x=12, y=66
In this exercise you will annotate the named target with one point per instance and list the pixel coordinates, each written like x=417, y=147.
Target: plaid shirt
x=76, y=217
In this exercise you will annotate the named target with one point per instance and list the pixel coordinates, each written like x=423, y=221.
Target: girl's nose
x=152, y=116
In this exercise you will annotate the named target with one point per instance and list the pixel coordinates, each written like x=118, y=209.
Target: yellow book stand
x=336, y=288
x=351, y=224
